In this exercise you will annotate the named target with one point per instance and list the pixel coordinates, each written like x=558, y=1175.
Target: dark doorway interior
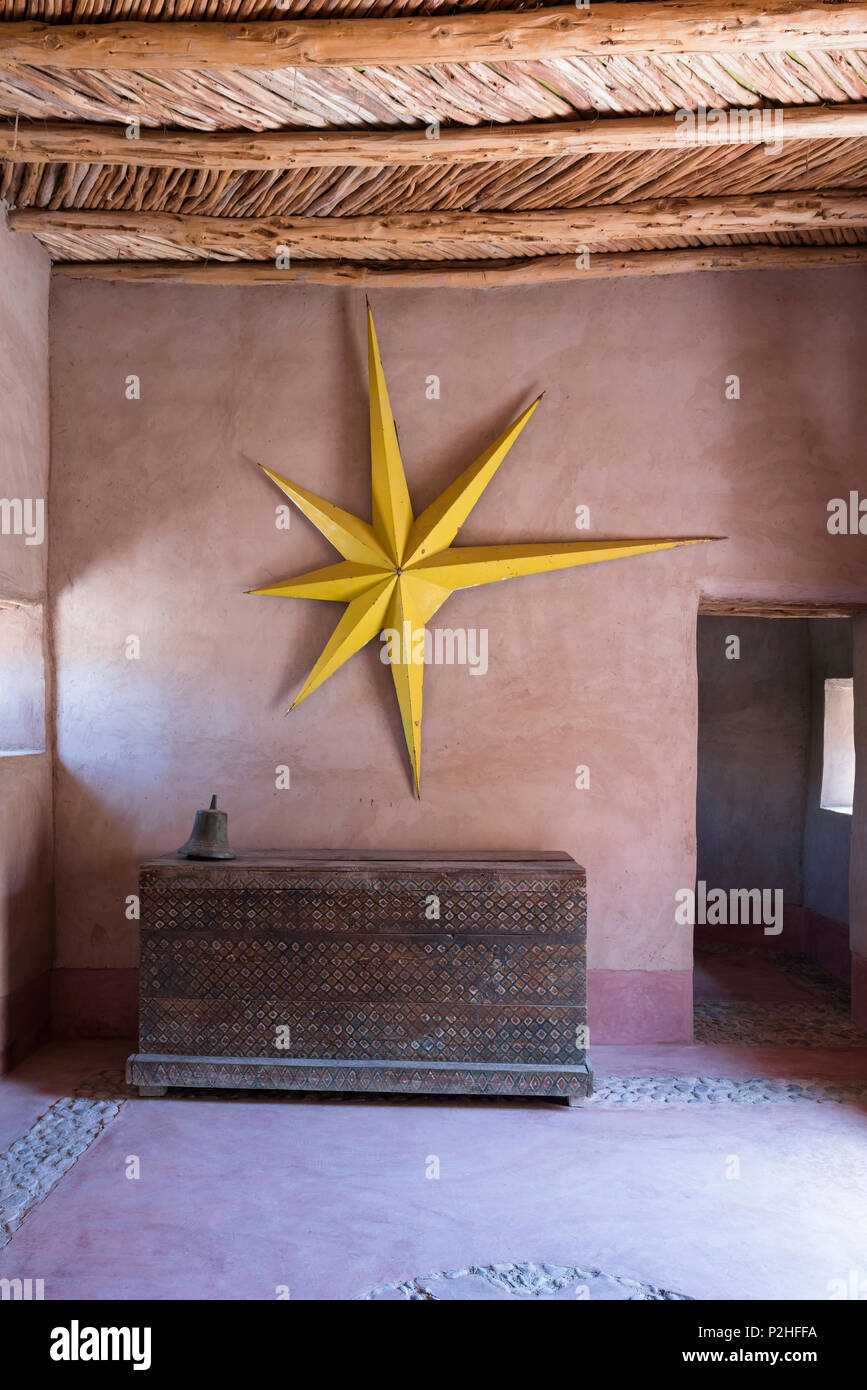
x=773, y=830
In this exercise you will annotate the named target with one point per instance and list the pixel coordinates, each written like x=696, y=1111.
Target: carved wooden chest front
x=458, y=973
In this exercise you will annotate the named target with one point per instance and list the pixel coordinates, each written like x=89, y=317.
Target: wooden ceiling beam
x=401, y=234
x=36, y=142
x=466, y=275
x=565, y=31
x=782, y=608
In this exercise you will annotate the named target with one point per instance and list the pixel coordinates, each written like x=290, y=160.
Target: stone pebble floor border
x=33, y=1165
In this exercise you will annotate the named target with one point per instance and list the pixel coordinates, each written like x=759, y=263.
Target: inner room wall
x=165, y=521
x=26, y=848
x=827, y=834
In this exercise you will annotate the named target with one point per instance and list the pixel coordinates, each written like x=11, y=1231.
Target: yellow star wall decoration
x=397, y=571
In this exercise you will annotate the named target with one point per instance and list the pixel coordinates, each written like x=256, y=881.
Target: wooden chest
x=322, y=970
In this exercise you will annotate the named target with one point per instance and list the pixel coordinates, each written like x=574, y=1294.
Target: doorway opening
x=776, y=764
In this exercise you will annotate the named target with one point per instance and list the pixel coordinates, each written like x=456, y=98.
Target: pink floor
x=237, y=1197
x=727, y=979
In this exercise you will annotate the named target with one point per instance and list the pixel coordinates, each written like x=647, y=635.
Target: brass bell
x=210, y=835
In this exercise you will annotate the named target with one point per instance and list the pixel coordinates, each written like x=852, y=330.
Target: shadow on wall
x=102, y=1001
x=26, y=904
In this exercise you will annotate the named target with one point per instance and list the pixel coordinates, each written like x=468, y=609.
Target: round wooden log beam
x=405, y=235
x=565, y=31
x=485, y=275
x=35, y=142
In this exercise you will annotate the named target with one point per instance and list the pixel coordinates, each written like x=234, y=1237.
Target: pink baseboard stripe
x=640, y=1006
x=625, y=1006
x=94, y=1003
x=24, y=1020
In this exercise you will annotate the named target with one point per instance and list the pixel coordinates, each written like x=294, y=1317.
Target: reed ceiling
x=57, y=120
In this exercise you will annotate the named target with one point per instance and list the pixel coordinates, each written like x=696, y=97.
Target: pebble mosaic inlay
x=702, y=1090
x=35, y=1163
x=525, y=1280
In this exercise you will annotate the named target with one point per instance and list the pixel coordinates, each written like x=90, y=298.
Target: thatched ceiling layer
x=463, y=94
x=65, y=151
x=514, y=186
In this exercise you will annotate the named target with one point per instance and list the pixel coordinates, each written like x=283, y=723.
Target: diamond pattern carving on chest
x=354, y=968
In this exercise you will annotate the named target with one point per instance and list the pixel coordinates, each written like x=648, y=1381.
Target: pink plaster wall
x=162, y=521
x=26, y=906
